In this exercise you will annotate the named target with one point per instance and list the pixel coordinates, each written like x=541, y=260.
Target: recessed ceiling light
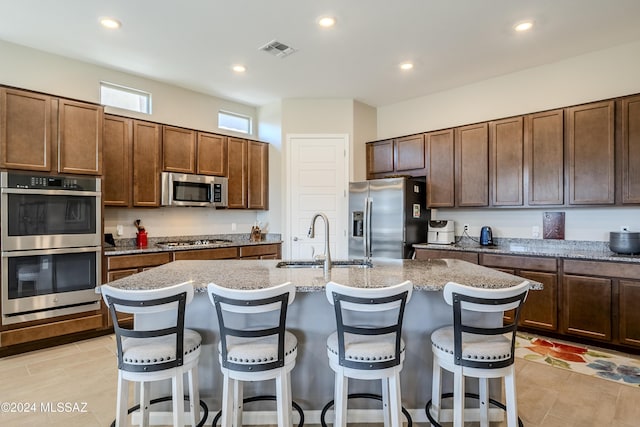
x=523, y=26
x=327, y=21
x=406, y=66
x=239, y=68
x=110, y=23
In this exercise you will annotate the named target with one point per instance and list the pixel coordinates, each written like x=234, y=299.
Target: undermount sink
x=359, y=263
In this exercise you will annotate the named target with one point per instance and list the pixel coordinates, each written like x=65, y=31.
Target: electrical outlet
x=119, y=230
x=465, y=227
x=233, y=226
x=535, y=232
x=624, y=228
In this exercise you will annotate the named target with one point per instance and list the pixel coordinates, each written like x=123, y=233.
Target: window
x=125, y=97
x=234, y=121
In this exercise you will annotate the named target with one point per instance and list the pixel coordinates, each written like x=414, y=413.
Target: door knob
x=295, y=239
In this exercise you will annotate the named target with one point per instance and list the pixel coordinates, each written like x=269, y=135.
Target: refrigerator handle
x=367, y=226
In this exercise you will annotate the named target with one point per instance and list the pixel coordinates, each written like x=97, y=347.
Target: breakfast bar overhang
x=311, y=318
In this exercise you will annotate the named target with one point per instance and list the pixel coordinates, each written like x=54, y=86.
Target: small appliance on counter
x=441, y=232
x=624, y=242
x=486, y=236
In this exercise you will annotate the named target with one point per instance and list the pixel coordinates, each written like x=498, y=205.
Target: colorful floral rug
x=608, y=365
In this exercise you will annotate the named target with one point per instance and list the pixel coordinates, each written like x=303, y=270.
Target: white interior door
x=317, y=174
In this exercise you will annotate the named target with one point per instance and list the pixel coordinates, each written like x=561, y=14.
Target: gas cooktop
x=191, y=243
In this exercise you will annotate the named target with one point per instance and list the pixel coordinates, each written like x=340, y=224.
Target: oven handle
x=50, y=192
x=35, y=252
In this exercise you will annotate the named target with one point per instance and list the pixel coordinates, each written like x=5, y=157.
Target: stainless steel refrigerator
x=386, y=217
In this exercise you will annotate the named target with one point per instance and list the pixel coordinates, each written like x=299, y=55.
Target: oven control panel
x=18, y=180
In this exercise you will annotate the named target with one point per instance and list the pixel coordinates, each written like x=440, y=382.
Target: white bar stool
x=469, y=350
x=367, y=344
x=155, y=354
x=254, y=353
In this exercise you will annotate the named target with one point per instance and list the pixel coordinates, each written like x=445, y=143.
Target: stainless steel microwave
x=181, y=189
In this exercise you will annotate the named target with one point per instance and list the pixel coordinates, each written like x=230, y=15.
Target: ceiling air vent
x=278, y=49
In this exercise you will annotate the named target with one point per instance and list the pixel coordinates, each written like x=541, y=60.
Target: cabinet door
x=629, y=300
x=440, y=169
x=379, y=158
x=409, y=155
x=587, y=306
x=472, y=165
x=507, y=162
x=237, y=167
x=212, y=154
x=79, y=138
x=591, y=154
x=258, y=175
x=146, y=164
x=544, y=157
x=540, y=310
x=178, y=150
x=631, y=150
x=116, y=140
x=26, y=132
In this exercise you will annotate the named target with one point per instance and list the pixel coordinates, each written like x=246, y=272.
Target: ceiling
x=194, y=43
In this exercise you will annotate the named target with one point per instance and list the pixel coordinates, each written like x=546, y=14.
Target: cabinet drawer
x=205, y=254
x=48, y=330
x=137, y=261
x=439, y=254
x=605, y=269
x=119, y=274
x=257, y=250
x=519, y=262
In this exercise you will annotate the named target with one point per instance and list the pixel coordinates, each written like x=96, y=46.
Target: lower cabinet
x=587, y=308
x=261, y=252
x=601, y=301
x=206, y=254
x=540, y=310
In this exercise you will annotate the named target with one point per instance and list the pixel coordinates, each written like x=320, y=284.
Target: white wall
x=270, y=130
x=364, y=130
x=39, y=71
x=595, y=76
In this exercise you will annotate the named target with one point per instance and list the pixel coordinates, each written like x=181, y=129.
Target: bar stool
x=469, y=350
x=146, y=355
x=248, y=352
x=367, y=344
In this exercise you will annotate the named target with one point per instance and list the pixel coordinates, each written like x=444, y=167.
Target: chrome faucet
x=312, y=232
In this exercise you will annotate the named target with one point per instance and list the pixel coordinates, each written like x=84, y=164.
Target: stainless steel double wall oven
x=51, y=245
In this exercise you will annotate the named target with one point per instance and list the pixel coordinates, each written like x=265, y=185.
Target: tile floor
x=85, y=372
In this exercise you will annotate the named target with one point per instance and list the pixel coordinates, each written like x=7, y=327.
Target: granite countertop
x=570, y=249
x=128, y=246
x=429, y=275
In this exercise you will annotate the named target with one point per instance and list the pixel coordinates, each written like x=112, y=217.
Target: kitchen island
x=311, y=319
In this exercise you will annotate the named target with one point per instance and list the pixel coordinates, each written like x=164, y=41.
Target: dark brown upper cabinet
x=28, y=130
x=507, y=161
x=472, y=165
x=258, y=175
x=79, y=138
x=379, y=158
x=409, y=155
x=146, y=163
x=591, y=152
x=238, y=164
x=43, y=133
x=178, y=149
x=440, y=162
x=212, y=154
x=630, y=159
x=544, y=158
x=117, y=149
